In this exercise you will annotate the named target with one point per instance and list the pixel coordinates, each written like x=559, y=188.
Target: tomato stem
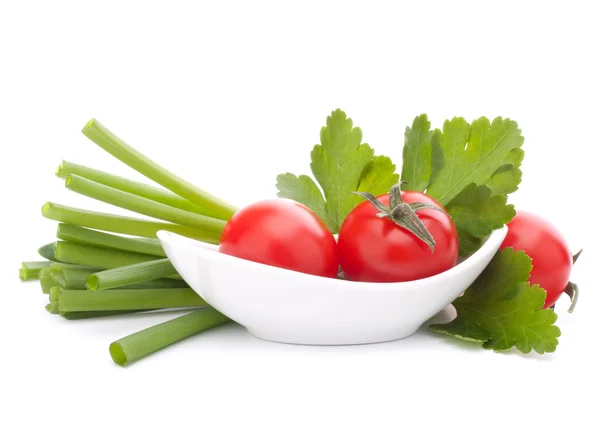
x=573, y=291
x=576, y=256
x=403, y=214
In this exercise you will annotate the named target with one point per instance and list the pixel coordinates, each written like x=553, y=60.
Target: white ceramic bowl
x=291, y=307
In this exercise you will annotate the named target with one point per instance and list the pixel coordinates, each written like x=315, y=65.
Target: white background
x=228, y=95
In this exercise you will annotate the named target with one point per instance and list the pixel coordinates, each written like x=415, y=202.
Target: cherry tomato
x=548, y=250
x=377, y=249
x=282, y=233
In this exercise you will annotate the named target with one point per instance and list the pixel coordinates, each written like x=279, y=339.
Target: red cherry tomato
x=377, y=249
x=282, y=233
x=548, y=250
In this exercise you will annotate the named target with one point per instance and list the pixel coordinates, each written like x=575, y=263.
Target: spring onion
x=31, y=270
x=59, y=267
x=141, y=205
x=82, y=235
x=94, y=256
x=52, y=307
x=120, y=224
x=54, y=293
x=70, y=276
x=131, y=274
x=96, y=314
x=73, y=277
x=112, y=144
x=48, y=251
x=46, y=282
x=67, y=169
x=127, y=299
x=58, y=279
x=138, y=345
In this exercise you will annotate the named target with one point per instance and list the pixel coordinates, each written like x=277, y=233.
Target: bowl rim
x=211, y=251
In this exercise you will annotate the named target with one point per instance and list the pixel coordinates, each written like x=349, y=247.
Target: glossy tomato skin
x=378, y=250
x=282, y=233
x=548, y=250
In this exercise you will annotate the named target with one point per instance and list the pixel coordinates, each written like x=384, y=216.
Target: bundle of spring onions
x=105, y=264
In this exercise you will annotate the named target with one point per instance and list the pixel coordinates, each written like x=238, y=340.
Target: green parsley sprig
x=502, y=310
x=470, y=169
x=341, y=164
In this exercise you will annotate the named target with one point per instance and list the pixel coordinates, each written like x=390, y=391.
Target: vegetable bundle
x=104, y=264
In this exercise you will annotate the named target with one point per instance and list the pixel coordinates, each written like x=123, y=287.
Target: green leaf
x=468, y=245
x=476, y=213
x=507, y=178
x=503, y=311
x=416, y=161
x=464, y=154
x=304, y=190
x=378, y=176
x=341, y=165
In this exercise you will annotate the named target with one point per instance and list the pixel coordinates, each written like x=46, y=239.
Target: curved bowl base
x=327, y=339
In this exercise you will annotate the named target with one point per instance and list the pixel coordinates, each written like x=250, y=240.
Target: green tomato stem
x=403, y=214
x=572, y=291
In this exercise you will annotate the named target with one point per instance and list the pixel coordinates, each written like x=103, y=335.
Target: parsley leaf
x=341, y=164
x=507, y=178
x=378, y=176
x=469, y=168
x=502, y=310
x=304, y=190
x=463, y=154
x=416, y=165
x=476, y=213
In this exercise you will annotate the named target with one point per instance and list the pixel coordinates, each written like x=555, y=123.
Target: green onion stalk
x=67, y=169
x=143, y=206
x=119, y=224
x=138, y=345
x=112, y=144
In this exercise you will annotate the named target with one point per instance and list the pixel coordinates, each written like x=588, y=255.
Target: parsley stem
x=130, y=274
x=78, y=234
x=120, y=224
x=141, y=205
x=67, y=169
x=138, y=345
x=127, y=299
x=112, y=144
